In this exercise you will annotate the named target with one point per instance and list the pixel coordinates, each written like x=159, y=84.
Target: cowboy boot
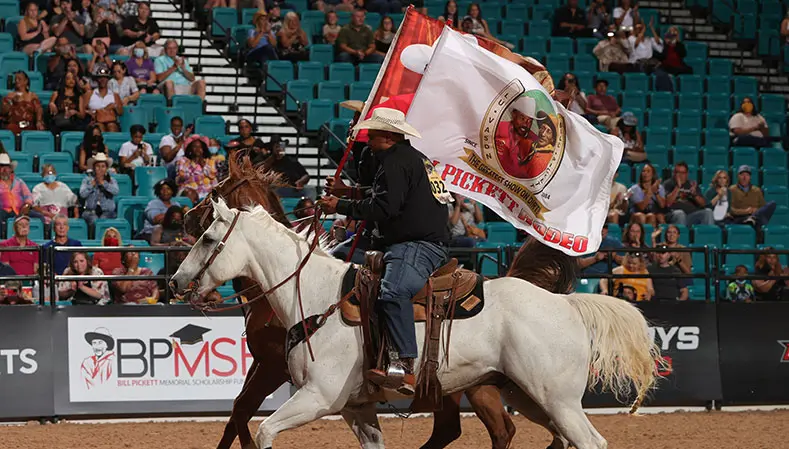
x=398, y=376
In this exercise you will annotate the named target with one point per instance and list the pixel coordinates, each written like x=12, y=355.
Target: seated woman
x=630, y=289
x=92, y=144
x=292, y=40
x=52, y=197
x=104, y=29
x=83, y=292
x=140, y=67
x=134, y=292
x=719, y=197
x=258, y=150
x=626, y=130
x=682, y=260
x=109, y=261
x=33, y=32
x=105, y=106
x=331, y=28
x=135, y=153
x=773, y=290
x=383, y=35
x=157, y=207
x=101, y=59
x=633, y=237
x=261, y=42
x=647, y=198
x=196, y=174
x=67, y=106
x=464, y=216
x=22, y=108
x=123, y=85
x=748, y=128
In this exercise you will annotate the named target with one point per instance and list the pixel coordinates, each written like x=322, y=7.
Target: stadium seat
x=162, y=117
x=634, y=100
x=7, y=140
x=584, y=63
x=359, y=90
x=774, y=158
x=78, y=229
x=14, y=61
x=657, y=136
x=746, y=86
x=718, y=102
x=739, y=259
x=311, y=71
x=585, y=45
x=614, y=81
x=710, y=235
x=660, y=118
x=211, y=126
x=535, y=44
x=776, y=234
x=124, y=184
x=658, y=155
x=719, y=83
x=516, y=11
x=772, y=103
x=636, y=82
x=696, y=50
x=720, y=67
x=62, y=162
x=222, y=20
x=318, y=113
x=707, y=173
x=133, y=115
x=146, y=177
x=624, y=175
x=691, y=84
x=561, y=46
x=691, y=102
x=771, y=176
x=716, y=138
x=558, y=62
x=151, y=101
x=277, y=74
x=541, y=12
x=343, y=72
x=511, y=26
x=501, y=232
x=339, y=128
x=37, y=142
x=123, y=227
x=72, y=180
x=778, y=194
x=697, y=259
x=299, y=91
x=714, y=156
x=322, y=53
x=740, y=235
x=192, y=107
x=659, y=101
x=36, y=228
x=114, y=142
x=331, y=90
x=368, y=72
x=689, y=154
x=488, y=262
x=690, y=119
x=744, y=156
x=127, y=206
x=6, y=43
x=684, y=233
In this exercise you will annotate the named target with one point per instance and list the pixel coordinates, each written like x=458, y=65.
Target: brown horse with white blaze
x=247, y=184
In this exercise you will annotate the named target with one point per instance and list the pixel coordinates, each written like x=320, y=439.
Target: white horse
x=551, y=347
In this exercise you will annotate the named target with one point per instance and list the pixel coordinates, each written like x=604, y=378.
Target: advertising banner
x=142, y=363
x=754, y=353
x=25, y=362
x=687, y=335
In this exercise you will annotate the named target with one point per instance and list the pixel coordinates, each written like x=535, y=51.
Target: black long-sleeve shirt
x=402, y=203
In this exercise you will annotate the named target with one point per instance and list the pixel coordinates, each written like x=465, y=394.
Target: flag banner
x=496, y=136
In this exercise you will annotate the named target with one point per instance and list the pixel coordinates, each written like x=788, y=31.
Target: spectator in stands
x=570, y=20
x=672, y=58
x=740, y=290
x=123, y=84
x=771, y=290
x=71, y=25
x=258, y=150
x=626, y=15
x=331, y=28
x=104, y=29
x=218, y=157
x=14, y=194
x=747, y=201
x=25, y=263
x=85, y=84
x=92, y=144
x=669, y=288
x=578, y=101
x=57, y=63
x=157, y=207
x=101, y=58
x=293, y=173
x=143, y=28
x=603, y=106
x=633, y=237
x=644, y=47
x=109, y=261
x=105, y=106
x=647, y=198
x=98, y=190
x=383, y=35
x=682, y=260
x=597, y=263
x=67, y=107
x=384, y=7
x=627, y=131
x=613, y=52
x=451, y=14
x=304, y=211
x=82, y=293
x=274, y=18
x=34, y=33
x=261, y=42
x=196, y=172
x=617, y=206
x=292, y=40
x=135, y=153
x=171, y=233
x=140, y=67
x=598, y=19
x=630, y=289
x=127, y=8
x=686, y=204
x=175, y=74
x=22, y=108
x=719, y=197
x=61, y=238
x=464, y=216
x=53, y=8
x=171, y=147
x=747, y=127
x=134, y=292
x=52, y=198
x=356, y=42
x=479, y=26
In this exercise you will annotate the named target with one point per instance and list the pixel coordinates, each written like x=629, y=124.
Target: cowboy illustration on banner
x=97, y=368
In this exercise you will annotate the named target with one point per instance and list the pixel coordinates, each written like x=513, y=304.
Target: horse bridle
x=214, y=194
x=194, y=284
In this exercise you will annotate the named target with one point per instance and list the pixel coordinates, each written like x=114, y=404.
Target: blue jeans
x=701, y=216
x=762, y=215
x=347, y=57
x=90, y=216
x=407, y=266
x=341, y=250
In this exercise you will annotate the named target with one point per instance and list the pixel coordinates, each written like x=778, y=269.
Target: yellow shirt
x=631, y=289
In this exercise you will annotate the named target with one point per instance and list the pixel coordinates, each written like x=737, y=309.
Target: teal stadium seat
x=8, y=140
x=222, y=20
x=740, y=235
x=715, y=156
x=721, y=67
x=558, y=62
x=634, y=100
x=585, y=45
x=339, y=128
x=746, y=86
x=277, y=74
x=535, y=44
x=512, y=26
x=373, y=20
x=146, y=177
x=744, y=156
x=660, y=118
x=739, y=259
x=696, y=50
x=36, y=228
x=331, y=90
x=152, y=261
x=501, y=232
x=657, y=136
x=541, y=12
x=162, y=117
x=62, y=162
x=690, y=119
x=488, y=262
x=710, y=235
x=658, y=155
x=660, y=101
x=318, y=113
x=776, y=234
x=772, y=103
x=688, y=154
x=684, y=233
x=778, y=194
x=584, y=63
x=614, y=231
x=133, y=115
x=719, y=84
x=191, y=105
x=38, y=142
x=638, y=82
x=698, y=65
x=151, y=101
x=691, y=102
x=774, y=158
x=368, y=72
x=24, y=161
x=614, y=81
x=239, y=42
x=343, y=72
x=716, y=138
x=359, y=90
x=539, y=27
x=718, y=102
x=114, y=142
x=288, y=204
x=78, y=229
x=516, y=11
x=561, y=46
x=6, y=43
x=247, y=14
x=311, y=71
x=127, y=206
x=124, y=184
x=773, y=177
x=122, y=225
x=211, y=126
x=322, y=53
x=691, y=84
x=624, y=175
x=14, y=61
x=72, y=180
x=299, y=91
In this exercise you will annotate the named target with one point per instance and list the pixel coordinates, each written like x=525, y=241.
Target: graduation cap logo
x=190, y=334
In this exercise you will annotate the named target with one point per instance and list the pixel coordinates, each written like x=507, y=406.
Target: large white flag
x=497, y=137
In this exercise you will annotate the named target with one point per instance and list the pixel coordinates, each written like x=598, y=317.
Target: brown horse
x=547, y=268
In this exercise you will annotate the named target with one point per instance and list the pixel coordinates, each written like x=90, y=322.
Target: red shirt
x=108, y=262
x=23, y=262
x=606, y=102
x=672, y=58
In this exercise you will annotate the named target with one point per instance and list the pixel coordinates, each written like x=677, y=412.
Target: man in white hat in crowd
x=98, y=190
x=408, y=205
x=15, y=196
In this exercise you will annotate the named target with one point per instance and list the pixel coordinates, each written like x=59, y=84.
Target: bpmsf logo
x=785, y=345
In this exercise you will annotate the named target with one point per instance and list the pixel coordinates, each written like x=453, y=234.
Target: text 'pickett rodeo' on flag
x=497, y=137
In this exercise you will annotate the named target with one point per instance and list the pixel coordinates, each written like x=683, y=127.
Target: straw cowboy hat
x=524, y=105
x=99, y=157
x=387, y=119
x=6, y=160
x=101, y=333
x=353, y=105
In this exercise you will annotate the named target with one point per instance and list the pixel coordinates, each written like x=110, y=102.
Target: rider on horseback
x=408, y=205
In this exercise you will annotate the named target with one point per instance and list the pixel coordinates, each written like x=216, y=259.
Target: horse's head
x=246, y=185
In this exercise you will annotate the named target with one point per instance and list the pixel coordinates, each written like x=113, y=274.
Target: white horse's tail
x=623, y=354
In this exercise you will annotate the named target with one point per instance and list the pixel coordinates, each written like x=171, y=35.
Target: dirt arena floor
x=716, y=430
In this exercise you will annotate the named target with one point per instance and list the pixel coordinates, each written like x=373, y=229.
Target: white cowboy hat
x=387, y=119
x=6, y=160
x=524, y=105
x=99, y=157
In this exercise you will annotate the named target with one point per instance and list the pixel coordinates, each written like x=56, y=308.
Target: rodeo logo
x=522, y=144
x=785, y=355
